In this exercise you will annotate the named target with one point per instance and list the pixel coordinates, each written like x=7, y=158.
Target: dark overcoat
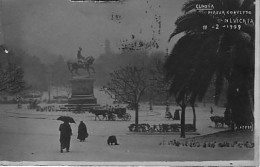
x=65, y=135
x=82, y=131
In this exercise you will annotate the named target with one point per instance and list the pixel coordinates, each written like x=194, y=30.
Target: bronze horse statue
x=85, y=64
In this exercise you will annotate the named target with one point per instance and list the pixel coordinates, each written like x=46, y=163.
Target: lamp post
x=49, y=85
x=151, y=91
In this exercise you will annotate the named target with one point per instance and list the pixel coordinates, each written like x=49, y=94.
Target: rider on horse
x=81, y=59
x=83, y=63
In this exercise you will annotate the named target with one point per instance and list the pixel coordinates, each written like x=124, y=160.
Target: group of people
x=66, y=133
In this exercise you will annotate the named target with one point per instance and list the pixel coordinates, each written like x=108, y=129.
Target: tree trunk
x=151, y=106
x=251, y=101
x=194, y=116
x=136, y=117
x=167, y=105
x=183, y=121
x=232, y=127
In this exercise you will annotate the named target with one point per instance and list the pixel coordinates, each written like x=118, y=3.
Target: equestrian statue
x=81, y=63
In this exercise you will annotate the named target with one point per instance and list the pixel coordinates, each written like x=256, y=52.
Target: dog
x=112, y=140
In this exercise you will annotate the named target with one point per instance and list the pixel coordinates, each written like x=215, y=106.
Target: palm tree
x=180, y=68
x=201, y=55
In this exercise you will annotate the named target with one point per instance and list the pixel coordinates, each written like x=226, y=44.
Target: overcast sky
x=59, y=27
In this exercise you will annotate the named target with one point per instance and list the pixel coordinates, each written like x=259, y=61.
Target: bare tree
x=11, y=79
x=128, y=84
x=160, y=84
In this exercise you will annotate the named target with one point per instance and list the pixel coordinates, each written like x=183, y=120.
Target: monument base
x=82, y=99
x=82, y=89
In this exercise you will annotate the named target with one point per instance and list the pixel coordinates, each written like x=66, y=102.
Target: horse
x=99, y=112
x=85, y=64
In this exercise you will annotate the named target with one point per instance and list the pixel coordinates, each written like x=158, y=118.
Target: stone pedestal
x=82, y=91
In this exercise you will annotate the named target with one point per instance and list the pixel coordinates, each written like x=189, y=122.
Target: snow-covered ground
x=28, y=135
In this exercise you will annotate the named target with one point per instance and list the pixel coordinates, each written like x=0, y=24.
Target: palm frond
x=182, y=56
x=233, y=4
x=205, y=80
x=250, y=30
x=192, y=22
x=247, y=5
x=191, y=5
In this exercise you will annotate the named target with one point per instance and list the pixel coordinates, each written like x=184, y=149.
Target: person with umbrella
x=65, y=133
x=82, y=131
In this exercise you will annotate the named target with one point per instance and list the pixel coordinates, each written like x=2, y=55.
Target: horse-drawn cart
x=111, y=115
x=121, y=114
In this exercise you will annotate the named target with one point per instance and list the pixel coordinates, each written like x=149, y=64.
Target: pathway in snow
x=27, y=135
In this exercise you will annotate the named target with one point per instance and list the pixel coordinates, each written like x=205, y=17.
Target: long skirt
x=82, y=135
x=65, y=142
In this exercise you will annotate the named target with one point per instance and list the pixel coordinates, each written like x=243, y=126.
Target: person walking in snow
x=65, y=135
x=82, y=132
